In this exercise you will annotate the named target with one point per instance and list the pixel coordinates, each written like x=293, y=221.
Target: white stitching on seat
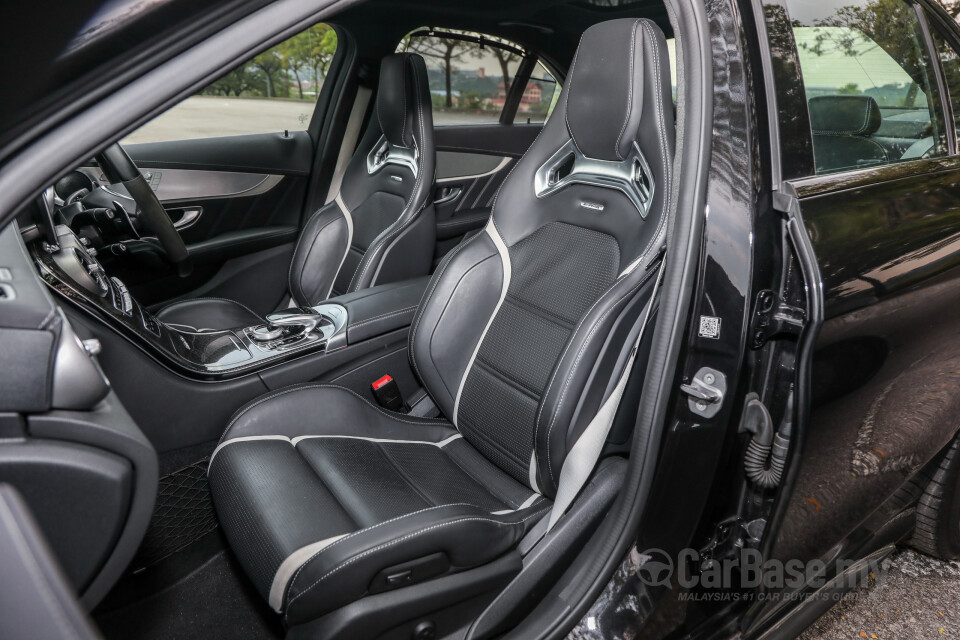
x=566, y=99
x=400, y=224
x=381, y=316
x=576, y=364
x=661, y=129
x=371, y=528
x=313, y=242
x=281, y=392
x=434, y=281
x=626, y=117
x=385, y=545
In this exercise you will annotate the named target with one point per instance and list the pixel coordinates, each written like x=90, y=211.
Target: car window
x=470, y=77
x=950, y=63
x=869, y=83
x=274, y=91
x=540, y=96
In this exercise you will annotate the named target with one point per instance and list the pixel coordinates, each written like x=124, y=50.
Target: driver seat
x=338, y=509
x=379, y=228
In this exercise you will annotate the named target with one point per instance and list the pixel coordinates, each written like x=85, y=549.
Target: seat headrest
x=844, y=115
x=605, y=97
x=604, y=159
x=400, y=96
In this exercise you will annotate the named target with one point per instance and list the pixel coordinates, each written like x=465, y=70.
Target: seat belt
x=585, y=453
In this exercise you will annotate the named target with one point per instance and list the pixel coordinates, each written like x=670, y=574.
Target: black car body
x=799, y=402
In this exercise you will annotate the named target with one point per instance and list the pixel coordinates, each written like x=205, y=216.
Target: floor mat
x=213, y=602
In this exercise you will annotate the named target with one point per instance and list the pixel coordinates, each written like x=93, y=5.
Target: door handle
x=446, y=194
x=188, y=216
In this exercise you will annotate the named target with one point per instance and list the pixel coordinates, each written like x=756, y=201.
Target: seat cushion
x=319, y=491
x=208, y=314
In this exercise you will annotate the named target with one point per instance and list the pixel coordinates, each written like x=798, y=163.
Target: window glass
x=470, y=79
x=870, y=86
x=274, y=91
x=950, y=62
x=540, y=97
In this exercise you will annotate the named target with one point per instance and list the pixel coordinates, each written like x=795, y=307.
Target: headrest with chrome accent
x=399, y=97
x=604, y=158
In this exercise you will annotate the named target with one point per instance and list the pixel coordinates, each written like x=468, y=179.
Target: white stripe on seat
x=296, y=440
x=440, y=444
x=242, y=439
x=526, y=503
x=291, y=564
x=490, y=230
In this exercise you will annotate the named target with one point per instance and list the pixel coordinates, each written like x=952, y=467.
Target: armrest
x=381, y=309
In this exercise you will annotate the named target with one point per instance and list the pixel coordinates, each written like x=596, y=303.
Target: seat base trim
x=294, y=441
x=290, y=565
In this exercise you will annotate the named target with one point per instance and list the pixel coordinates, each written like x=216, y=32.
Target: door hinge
x=772, y=316
x=705, y=392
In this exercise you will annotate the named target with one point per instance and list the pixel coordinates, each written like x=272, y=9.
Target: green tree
x=446, y=51
x=504, y=59
x=235, y=83
x=270, y=64
x=314, y=49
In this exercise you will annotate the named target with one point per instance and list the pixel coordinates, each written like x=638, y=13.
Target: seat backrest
x=841, y=127
x=380, y=227
x=523, y=327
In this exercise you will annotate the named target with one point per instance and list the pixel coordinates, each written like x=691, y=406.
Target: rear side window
x=870, y=86
x=950, y=63
x=472, y=78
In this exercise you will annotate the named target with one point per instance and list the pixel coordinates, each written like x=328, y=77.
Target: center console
x=289, y=334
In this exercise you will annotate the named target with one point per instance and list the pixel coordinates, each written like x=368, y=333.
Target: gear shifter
x=294, y=318
x=287, y=328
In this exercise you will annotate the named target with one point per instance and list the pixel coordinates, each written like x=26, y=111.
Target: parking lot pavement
x=211, y=116
x=915, y=597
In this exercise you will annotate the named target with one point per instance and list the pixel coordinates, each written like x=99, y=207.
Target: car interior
x=376, y=377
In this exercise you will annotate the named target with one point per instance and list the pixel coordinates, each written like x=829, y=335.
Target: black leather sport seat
x=326, y=498
x=379, y=228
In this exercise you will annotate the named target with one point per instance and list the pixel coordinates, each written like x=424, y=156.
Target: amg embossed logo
x=397, y=178
x=593, y=206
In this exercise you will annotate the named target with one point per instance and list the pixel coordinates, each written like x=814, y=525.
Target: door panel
x=885, y=372
x=289, y=153
x=237, y=202
x=472, y=163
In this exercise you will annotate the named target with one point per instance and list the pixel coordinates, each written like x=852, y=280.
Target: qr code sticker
x=709, y=327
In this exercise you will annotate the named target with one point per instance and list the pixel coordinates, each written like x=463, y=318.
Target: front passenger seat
x=329, y=502
x=379, y=228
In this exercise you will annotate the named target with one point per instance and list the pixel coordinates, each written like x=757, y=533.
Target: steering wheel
x=119, y=168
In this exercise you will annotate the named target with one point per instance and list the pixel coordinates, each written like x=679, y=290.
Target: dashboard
x=73, y=241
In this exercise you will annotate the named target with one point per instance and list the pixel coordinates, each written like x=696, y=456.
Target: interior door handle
x=446, y=194
x=188, y=216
